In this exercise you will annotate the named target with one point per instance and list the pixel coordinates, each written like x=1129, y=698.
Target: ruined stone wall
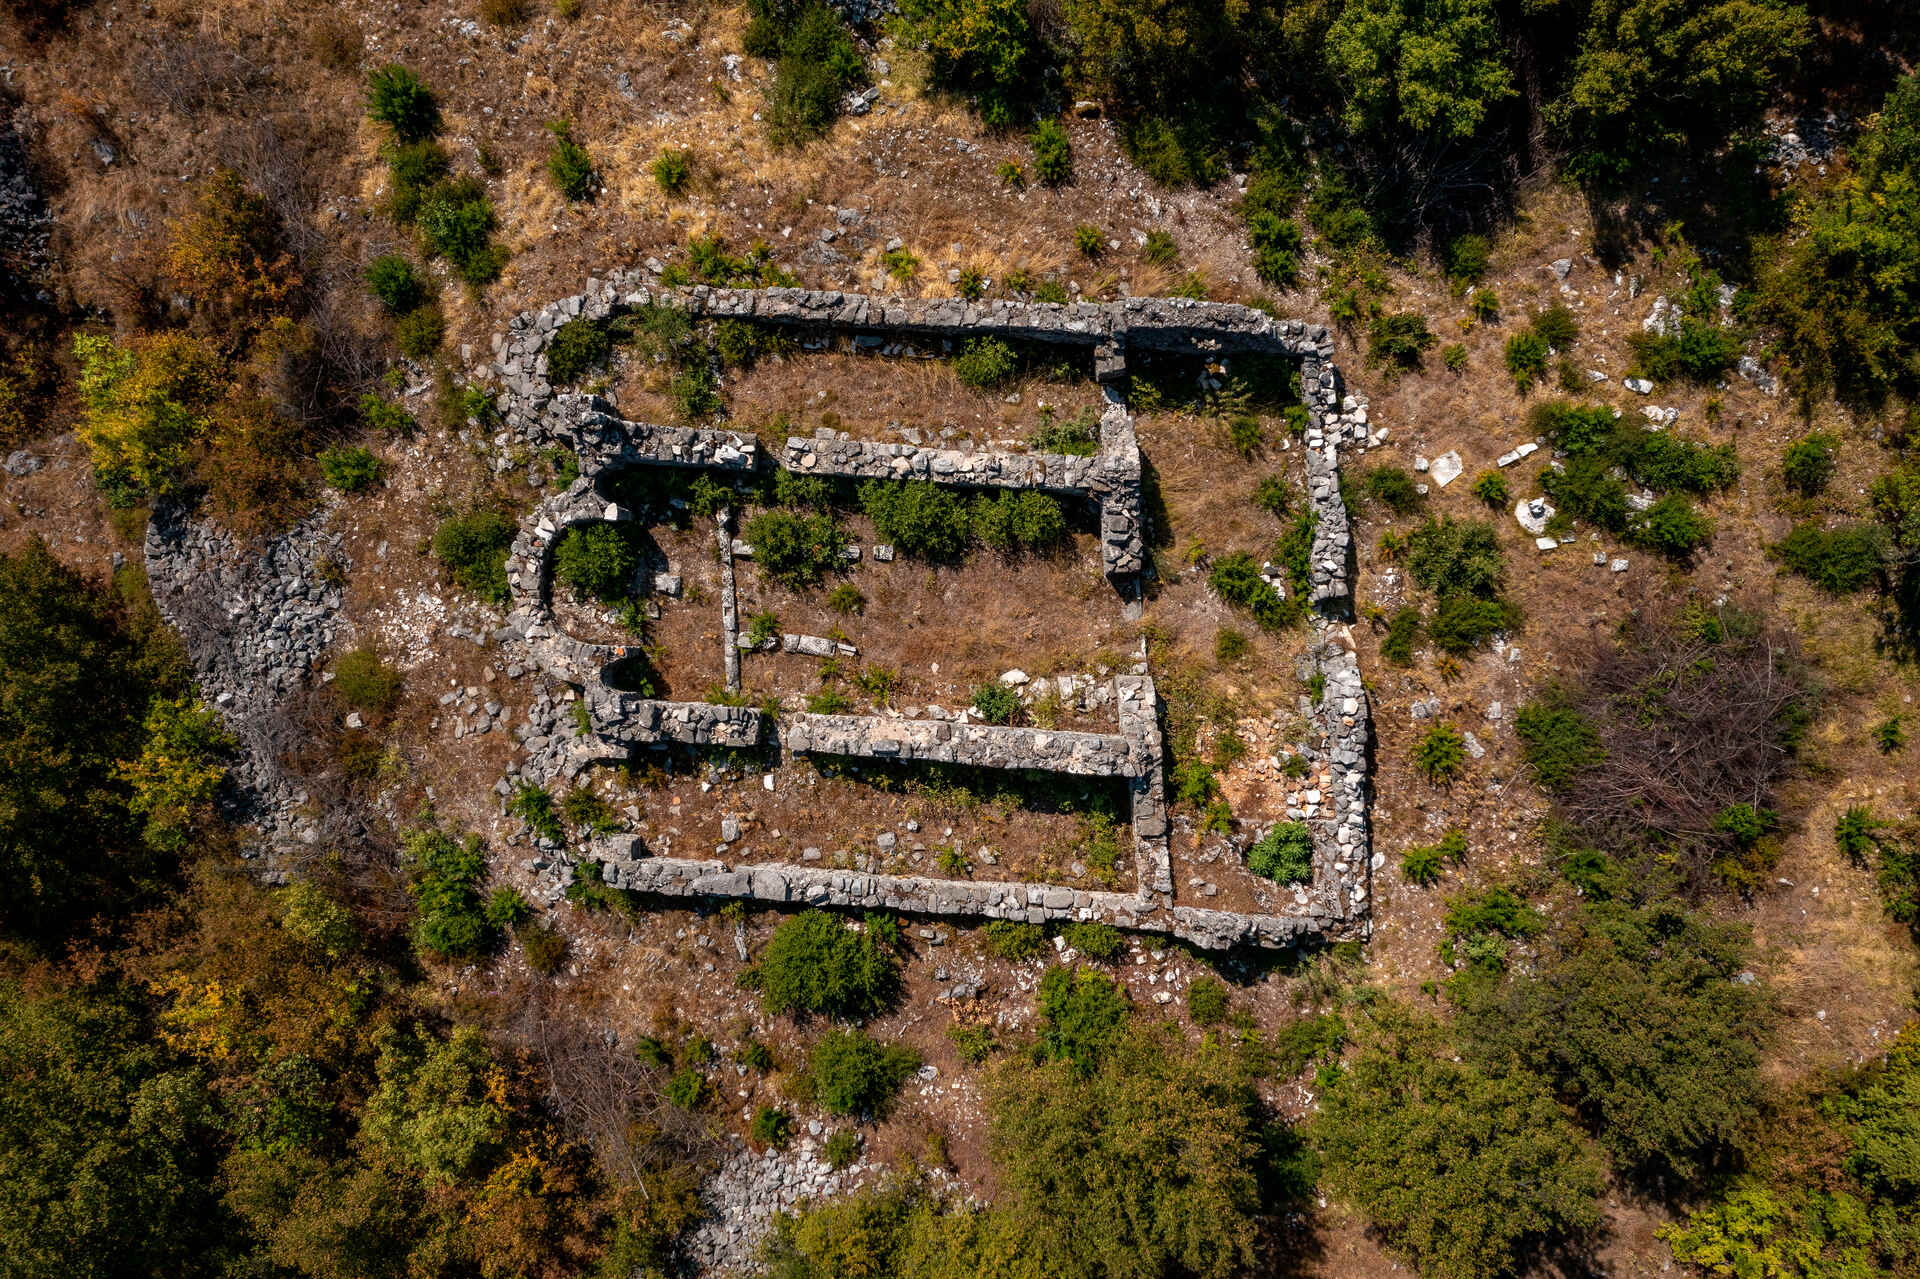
x=1335, y=904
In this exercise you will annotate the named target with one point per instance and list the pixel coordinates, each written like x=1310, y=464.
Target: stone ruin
x=1335, y=904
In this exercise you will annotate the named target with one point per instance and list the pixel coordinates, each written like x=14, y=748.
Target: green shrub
x=1276, y=248
x=1284, y=854
x=1274, y=496
x=416, y=169
x=1102, y=943
x=1484, y=305
x=1588, y=489
x=673, y=170
x=1403, y=633
x=1663, y=461
x=1399, y=338
x=1422, y=865
x=1011, y=939
x=762, y=628
x=1052, y=153
x=397, y=98
x=696, y=392
x=1466, y=258
x=351, y=469
x=1160, y=249
x=996, y=703
x=986, y=363
x=398, y=285
x=1557, y=742
x=1207, y=1002
x=1890, y=734
x=366, y=682
x=420, y=332
x=1083, y=1014
x=817, y=64
x=1481, y=926
x=1446, y=555
x=923, y=520
x=456, y=223
x=1023, y=522
x=1246, y=434
x=507, y=908
x=846, y=600
x=1461, y=623
x=569, y=167
x=1808, y=464
x=828, y=701
x=855, y=1074
x=1440, y=754
x=1672, y=527
x=815, y=964
x=1491, y=487
x=576, y=347
x=1527, y=360
x=1700, y=352
x=1230, y=645
x=691, y=1090
x=1454, y=356
x=1392, y=487
x=1236, y=579
x=451, y=920
x=534, y=806
x=599, y=560
x=1577, y=429
x=1090, y=240
x=1843, y=560
x=797, y=551
x=473, y=547
x=771, y=1127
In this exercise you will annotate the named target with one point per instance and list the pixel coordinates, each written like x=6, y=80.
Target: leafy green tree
x=980, y=46
x=473, y=548
x=599, y=560
x=179, y=769
x=79, y=666
x=102, y=1163
x=1084, y=1012
x=1635, y=1017
x=452, y=919
x=1458, y=1169
x=797, y=551
x=435, y=1108
x=1659, y=75
x=1146, y=1166
x=1423, y=67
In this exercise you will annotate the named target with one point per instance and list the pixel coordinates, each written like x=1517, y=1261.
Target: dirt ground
x=636, y=79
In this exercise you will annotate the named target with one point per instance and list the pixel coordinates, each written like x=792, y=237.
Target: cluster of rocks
x=742, y=1198
x=254, y=620
x=26, y=224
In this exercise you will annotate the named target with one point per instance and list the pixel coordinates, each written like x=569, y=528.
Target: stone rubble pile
x=255, y=620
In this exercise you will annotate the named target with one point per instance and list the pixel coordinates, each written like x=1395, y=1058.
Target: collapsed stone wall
x=1336, y=903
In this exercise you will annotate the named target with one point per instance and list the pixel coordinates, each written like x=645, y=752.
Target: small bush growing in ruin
x=1808, y=464
x=1015, y=940
x=1099, y=942
x=597, y=560
x=575, y=347
x=986, y=363
x=798, y=551
x=1284, y=854
x=996, y=703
